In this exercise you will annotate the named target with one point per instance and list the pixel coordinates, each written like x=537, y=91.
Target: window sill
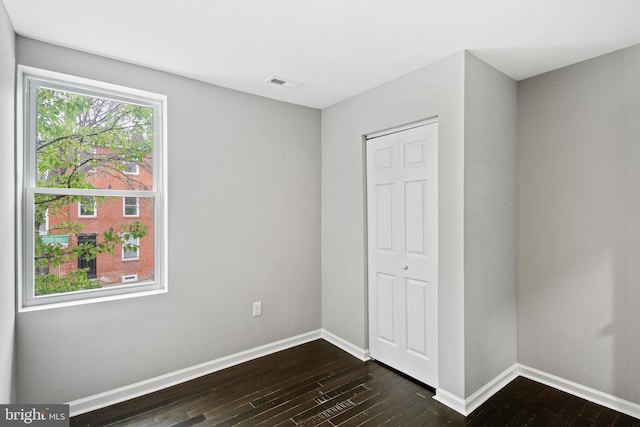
x=63, y=304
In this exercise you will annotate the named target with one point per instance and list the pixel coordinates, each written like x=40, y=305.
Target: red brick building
x=96, y=215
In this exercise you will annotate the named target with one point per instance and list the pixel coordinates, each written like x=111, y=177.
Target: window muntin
x=96, y=168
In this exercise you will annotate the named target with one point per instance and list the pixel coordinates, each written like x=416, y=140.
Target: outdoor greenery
x=79, y=138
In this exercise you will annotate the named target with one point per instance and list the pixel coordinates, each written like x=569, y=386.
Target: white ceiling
x=335, y=48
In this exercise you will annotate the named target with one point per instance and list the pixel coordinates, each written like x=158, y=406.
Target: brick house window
x=90, y=150
x=130, y=248
x=130, y=206
x=87, y=207
x=131, y=168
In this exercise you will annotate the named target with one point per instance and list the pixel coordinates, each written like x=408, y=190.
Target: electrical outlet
x=257, y=308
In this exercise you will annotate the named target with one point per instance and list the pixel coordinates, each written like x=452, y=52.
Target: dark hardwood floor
x=317, y=384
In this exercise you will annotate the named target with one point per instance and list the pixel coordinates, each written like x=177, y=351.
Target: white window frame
x=95, y=210
x=124, y=208
x=29, y=79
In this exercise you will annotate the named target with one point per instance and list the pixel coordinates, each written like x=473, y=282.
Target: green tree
x=79, y=138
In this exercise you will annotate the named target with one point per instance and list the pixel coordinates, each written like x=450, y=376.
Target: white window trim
x=26, y=190
x=124, y=208
x=95, y=210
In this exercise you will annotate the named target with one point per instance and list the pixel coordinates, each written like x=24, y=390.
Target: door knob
x=405, y=267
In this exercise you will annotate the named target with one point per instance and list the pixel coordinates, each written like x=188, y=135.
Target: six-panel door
x=402, y=218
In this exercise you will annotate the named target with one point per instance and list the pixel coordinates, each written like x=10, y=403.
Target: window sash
x=29, y=80
x=34, y=83
x=30, y=299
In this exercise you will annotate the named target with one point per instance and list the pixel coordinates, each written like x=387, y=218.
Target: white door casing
x=402, y=226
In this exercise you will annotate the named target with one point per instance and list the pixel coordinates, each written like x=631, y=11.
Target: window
x=130, y=206
x=87, y=207
x=89, y=150
x=130, y=248
x=131, y=168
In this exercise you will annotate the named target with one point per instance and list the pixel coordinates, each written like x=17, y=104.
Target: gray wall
x=7, y=264
x=244, y=225
x=490, y=177
x=579, y=223
x=436, y=90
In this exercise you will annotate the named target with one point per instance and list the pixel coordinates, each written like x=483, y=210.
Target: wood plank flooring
x=317, y=384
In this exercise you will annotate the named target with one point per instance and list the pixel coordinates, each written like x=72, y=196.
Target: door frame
x=365, y=138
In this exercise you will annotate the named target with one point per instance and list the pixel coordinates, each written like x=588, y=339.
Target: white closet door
x=402, y=212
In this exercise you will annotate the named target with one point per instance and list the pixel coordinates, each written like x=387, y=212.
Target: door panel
x=385, y=308
x=416, y=317
x=384, y=225
x=402, y=218
x=384, y=158
x=414, y=154
x=415, y=217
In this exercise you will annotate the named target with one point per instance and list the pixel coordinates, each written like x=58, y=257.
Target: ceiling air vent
x=279, y=81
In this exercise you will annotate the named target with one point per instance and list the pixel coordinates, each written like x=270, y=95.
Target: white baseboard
x=131, y=391
x=468, y=405
x=451, y=400
x=579, y=390
x=492, y=387
x=345, y=345
x=463, y=406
